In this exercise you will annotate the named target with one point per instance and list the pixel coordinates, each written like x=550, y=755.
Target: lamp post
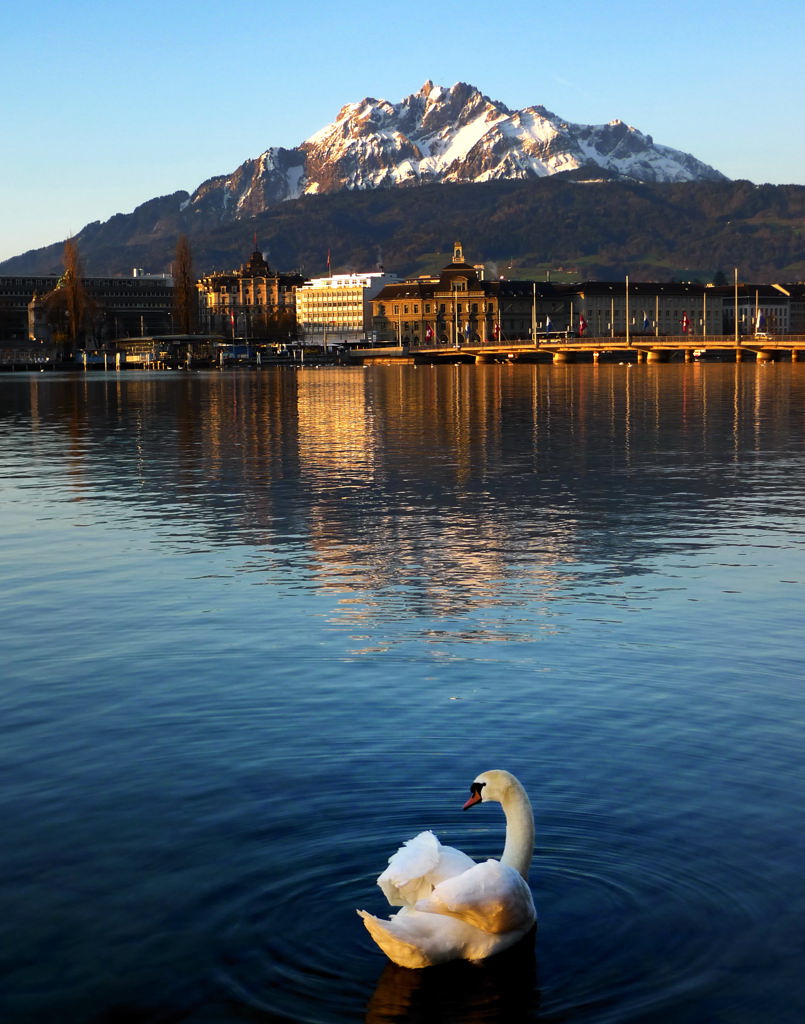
x=737, y=335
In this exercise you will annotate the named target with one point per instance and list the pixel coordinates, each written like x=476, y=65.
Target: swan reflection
x=499, y=990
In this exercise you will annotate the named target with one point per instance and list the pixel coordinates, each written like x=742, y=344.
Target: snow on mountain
x=440, y=135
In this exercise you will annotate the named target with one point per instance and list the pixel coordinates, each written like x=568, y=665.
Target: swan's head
x=492, y=785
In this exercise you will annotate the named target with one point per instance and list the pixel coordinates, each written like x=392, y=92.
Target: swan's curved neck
x=519, y=848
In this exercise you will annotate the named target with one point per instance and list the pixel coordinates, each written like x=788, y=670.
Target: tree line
x=595, y=230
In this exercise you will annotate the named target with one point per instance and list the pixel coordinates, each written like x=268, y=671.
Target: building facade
x=119, y=307
x=461, y=307
x=338, y=309
x=615, y=308
x=251, y=303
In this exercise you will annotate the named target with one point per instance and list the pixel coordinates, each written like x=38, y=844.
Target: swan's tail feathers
x=397, y=949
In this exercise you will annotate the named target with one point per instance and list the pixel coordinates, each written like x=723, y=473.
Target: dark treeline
x=593, y=230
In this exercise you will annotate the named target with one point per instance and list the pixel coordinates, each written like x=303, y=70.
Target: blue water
x=259, y=628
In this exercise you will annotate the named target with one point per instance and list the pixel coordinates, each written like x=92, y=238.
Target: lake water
x=259, y=628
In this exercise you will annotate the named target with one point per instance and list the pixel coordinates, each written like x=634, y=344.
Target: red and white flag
x=582, y=324
x=685, y=323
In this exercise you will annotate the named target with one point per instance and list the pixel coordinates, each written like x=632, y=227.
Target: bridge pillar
x=562, y=357
x=641, y=356
x=688, y=355
x=794, y=355
x=483, y=357
x=739, y=355
x=765, y=356
x=656, y=355
x=596, y=356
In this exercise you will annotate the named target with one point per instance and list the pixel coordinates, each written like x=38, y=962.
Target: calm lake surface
x=259, y=628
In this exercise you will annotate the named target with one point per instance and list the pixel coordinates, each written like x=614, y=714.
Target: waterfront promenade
x=636, y=348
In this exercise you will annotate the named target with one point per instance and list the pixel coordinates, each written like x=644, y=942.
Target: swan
x=452, y=907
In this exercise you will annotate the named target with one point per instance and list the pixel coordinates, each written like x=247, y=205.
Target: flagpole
x=628, y=339
x=534, y=313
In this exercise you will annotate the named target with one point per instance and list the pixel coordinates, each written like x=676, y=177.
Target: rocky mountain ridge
x=439, y=135
x=404, y=179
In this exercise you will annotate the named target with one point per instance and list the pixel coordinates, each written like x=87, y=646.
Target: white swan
x=453, y=908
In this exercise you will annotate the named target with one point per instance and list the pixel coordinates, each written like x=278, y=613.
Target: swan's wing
x=413, y=939
x=419, y=865
x=491, y=896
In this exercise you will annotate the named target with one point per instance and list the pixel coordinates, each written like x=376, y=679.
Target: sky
x=106, y=105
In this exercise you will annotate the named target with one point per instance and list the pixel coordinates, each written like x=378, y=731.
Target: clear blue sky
x=106, y=105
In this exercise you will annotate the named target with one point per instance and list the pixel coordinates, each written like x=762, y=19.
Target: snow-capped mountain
x=441, y=135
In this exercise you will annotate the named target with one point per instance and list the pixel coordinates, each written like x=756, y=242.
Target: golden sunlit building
x=252, y=302
x=461, y=306
x=337, y=309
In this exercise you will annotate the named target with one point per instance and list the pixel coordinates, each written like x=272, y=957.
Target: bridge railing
x=609, y=341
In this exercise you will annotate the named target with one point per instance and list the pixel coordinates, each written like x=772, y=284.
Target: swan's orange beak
x=474, y=799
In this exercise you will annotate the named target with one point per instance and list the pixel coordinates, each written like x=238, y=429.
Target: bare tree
x=68, y=307
x=185, y=293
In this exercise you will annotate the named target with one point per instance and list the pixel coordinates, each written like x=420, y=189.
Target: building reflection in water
x=411, y=490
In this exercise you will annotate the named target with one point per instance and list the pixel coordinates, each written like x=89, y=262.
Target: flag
x=646, y=321
x=429, y=332
x=582, y=324
x=547, y=324
x=467, y=330
x=685, y=323
x=497, y=330
x=761, y=321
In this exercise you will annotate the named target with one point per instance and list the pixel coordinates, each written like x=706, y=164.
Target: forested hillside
x=574, y=229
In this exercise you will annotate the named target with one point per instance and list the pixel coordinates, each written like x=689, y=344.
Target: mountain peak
x=454, y=134
x=439, y=134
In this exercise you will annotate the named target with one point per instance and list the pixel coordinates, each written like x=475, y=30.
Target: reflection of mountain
x=426, y=485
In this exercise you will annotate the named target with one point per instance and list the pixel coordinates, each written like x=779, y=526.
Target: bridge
x=636, y=348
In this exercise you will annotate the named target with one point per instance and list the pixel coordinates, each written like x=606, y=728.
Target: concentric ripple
x=620, y=937
x=629, y=927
